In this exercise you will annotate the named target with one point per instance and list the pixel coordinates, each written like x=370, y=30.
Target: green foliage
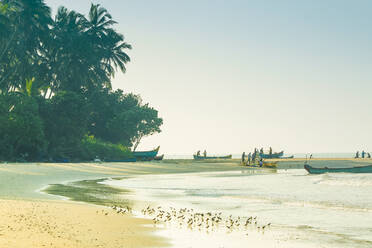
x=65, y=117
x=55, y=85
x=21, y=128
x=126, y=119
x=92, y=147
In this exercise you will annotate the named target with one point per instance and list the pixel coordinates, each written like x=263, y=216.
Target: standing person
x=261, y=162
x=243, y=158
x=249, y=158
x=363, y=153
x=205, y=153
x=261, y=151
x=357, y=154
x=368, y=155
x=270, y=151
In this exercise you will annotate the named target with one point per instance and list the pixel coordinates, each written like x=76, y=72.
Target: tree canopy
x=55, y=84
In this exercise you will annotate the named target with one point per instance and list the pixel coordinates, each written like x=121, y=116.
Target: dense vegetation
x=56, y=99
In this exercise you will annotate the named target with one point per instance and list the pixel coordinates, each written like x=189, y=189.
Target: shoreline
x=81, y=188
x=33, y=217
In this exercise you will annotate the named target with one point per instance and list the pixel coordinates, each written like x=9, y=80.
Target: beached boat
x=121, y=160
x=273, y=155
x=289, y=157
x=357, y=169
x=270, y=165
x=196, y=157
x=158, y=158
x=145, y=155
x=264, y=165
x=61, y=160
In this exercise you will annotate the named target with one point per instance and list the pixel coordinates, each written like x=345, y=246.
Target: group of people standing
x=255, y=157
x=363, y=154
x=204, y=153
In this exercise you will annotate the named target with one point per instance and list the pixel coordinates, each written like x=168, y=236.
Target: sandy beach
x=63, y=224
x=31, y=218
x=70, y=205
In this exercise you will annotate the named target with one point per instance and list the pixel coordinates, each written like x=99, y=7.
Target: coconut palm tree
x=29, y=31
x=109, y=44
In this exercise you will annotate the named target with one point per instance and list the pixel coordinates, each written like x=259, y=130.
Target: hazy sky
x=228, y=76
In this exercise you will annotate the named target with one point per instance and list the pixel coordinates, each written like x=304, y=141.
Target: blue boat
x=196, y=157
x=61, y=160
x=273, y=155
x=146, y=155
x=121, y=160
x=357, y=169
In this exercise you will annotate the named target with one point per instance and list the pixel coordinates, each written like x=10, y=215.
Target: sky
x=229, y=76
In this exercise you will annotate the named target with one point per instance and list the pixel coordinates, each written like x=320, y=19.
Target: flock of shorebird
x=193, y=220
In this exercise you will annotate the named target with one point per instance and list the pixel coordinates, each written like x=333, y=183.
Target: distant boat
x=273, y=155
x=287, y=157
x=264, y=165
x=270, y=164
x=146, y=155
x=196, y=157
x=121, y=160
x=158, y=158
x=358, y=169
x=61, y=160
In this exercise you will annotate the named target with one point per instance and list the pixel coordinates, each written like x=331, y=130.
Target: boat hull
x=359, y=169
x=144, y=155
x=122, y=160
x=289, y=157
x=274, y=155
x=158, y=158
x=196, y=157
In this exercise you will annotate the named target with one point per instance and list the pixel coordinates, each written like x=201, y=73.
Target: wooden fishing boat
x=269, y=165
x=144, y=155
x=264, y=165
x=61, y=160
x=158, y=158
x=196, y=157
x=273, y=155
x=357, y=169
x=121, y=160
x=287, y=157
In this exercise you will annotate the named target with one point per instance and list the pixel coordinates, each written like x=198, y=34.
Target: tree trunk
x=137, y=143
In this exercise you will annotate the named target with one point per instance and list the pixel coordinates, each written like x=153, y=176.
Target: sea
x=296, y=155
x=295, y=208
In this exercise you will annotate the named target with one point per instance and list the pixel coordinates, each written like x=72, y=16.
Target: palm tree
x=67, y=51
x=109, y=43
x=29, y=27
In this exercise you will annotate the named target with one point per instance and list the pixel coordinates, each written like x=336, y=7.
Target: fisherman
x=363, y=153
x=368, y=155
x=205, y=153
x=249, y=158
x=357, y=154
x=198, y=153
x=270, y=151
x=254, y=155
x=261, y=151
x=243, y=158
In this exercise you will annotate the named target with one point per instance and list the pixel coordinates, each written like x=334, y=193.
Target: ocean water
x=329, y=210
x=296, y=155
